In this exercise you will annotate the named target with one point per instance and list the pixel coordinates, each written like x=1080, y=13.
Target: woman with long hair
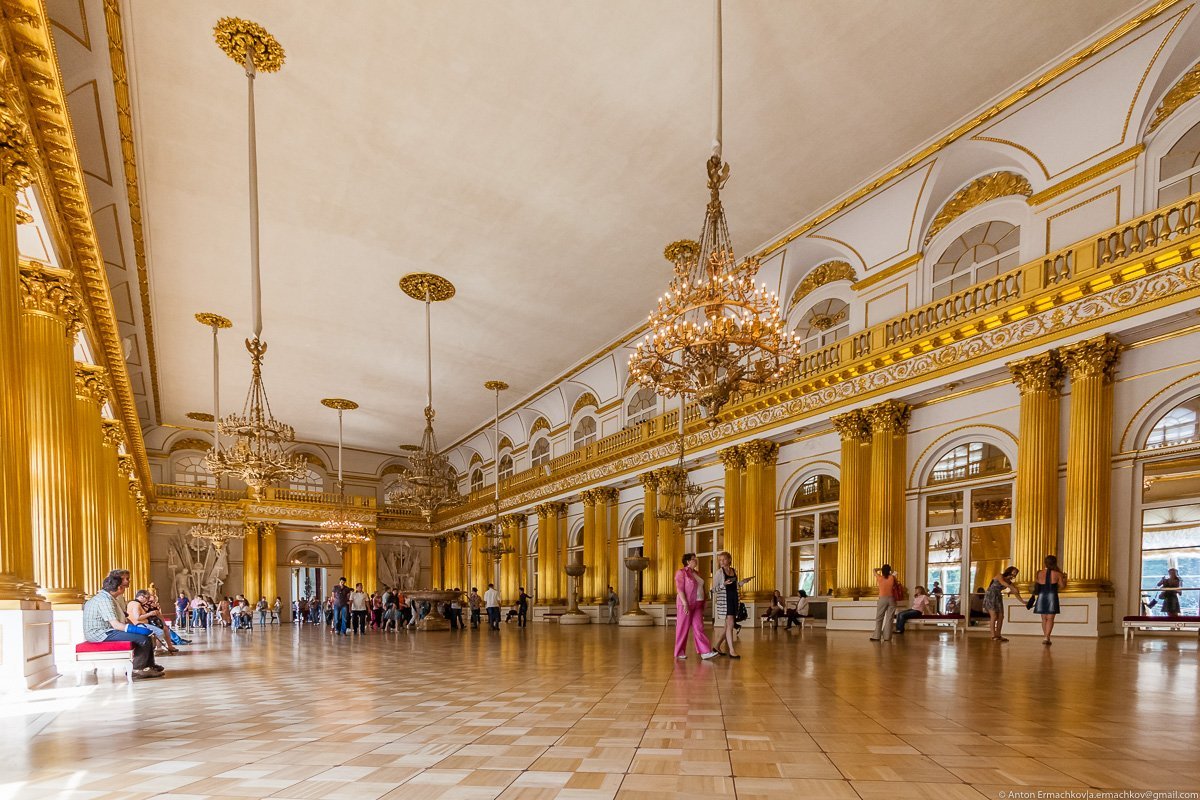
x=1046, y=586
x=885, y=606
x=689, y=610
x=725, y=587
x=993, y=600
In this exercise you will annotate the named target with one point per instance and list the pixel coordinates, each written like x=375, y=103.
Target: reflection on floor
x=599, y=712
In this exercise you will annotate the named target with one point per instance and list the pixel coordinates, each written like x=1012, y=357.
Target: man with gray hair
x=104, y=621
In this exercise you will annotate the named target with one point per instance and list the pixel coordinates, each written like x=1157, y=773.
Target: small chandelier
x=257, y=455
x=678, y=496
x=714, y=333
x=221, y=522
x=498, y=544
x=430, y=483
x=340, y=528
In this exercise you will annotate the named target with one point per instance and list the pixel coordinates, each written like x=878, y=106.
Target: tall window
x=309, y=481
x=823, y=324
x=641, y=407
x=506, y=467
x=476, y=479
x=968, y=521
x=540, y=451
x=585, y=432
x=1179, y=169
x=708, y=536
x=192, y=471
x=811, y=521
x=985, y=251
x=1171, y=515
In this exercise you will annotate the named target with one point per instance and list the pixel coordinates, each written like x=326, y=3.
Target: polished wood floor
x=601, y=712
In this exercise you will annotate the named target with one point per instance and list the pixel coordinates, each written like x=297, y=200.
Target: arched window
x=1177, y=426
x=968, y=522
x=641, y=407
x=309, y=481
x=812, y=526
x=476, y=479
x=585, y=432
x=987, y=250
x=540, y=451
x=506, y=467
x=192, y=471
x=823, y=324
x=1179, y=169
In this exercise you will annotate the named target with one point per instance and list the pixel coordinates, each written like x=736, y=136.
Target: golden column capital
x=852, y=425
x=125, y=466
x=606, y=494
x=16, y=150
x=512, y=520
x=558, y=508
x=760, y=451
x=589, y=497
x=91, y=383
x=51, y=291
x=890, y=416
x=1092, y=358
x=111, y=429
x=542, y=510
x=732, y=457
x=1040, y=373
x=649, y=481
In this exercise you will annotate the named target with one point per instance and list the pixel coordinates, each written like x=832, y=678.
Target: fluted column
x=590, y=555
x=758, y=518
x=1091, y=365
x=885, y=518
x=50, y=318
x=524, y=572
x=91, y=392
x=371, y=564
x=111, y=542
x=544, y=522
x=735, y=512
x=450, y=561
x=480, y=560
x=437, y=553
x=509, y=527
x=650, y=545
x=607, y=544
x=140, y=532
x=16, y=534
x=670, y=548
x=251, y=587
x=1035, y=523
x=854, y=498
x=125, y=546
x=561, y=553
x=269, y=558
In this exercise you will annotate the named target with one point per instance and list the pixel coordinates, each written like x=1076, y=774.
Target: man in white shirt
x=491, y=601
x=358, y=609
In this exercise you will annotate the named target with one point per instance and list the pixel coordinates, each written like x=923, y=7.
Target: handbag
x=897, y=590
x=1032, y=599
x=742, y=614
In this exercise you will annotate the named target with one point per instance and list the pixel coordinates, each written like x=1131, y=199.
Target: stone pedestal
x=658, y=611
x=848, y=614
x=593, y=612
x=547, y=613
x=26, y=644
x=68, y=632
x=1087, y=615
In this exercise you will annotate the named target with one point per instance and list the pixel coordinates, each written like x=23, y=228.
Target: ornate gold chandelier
x=221, y=522
x=678, y=496
x=257, y=455
x=498, y=544
x=430, y=482
x=715, y=333
x=340, y=528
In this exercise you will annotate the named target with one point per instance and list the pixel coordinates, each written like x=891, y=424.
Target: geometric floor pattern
x=600, y=712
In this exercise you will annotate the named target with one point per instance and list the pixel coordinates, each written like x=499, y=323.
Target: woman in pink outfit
x=689, y=610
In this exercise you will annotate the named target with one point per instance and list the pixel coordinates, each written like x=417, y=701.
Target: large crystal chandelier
x=715, y=332
x=430, y=482
x=340, y=528
x=678, y=497
x=221, y=522
x=498, y=544
x=257, y=455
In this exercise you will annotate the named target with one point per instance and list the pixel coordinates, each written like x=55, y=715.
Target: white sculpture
x=196, y=566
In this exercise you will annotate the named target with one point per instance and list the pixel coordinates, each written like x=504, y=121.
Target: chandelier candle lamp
x=430, y=483
x=221, y=522
x=258, y=454
x=715, y=332
x=498, y=545
x=679, y=497
x=340, y=528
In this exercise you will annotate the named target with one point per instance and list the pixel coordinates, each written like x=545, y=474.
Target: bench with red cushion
x=103, y=647
x=1135, y=622
x=92, y=653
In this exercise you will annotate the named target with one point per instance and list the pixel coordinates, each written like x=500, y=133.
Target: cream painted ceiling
x=539, y=154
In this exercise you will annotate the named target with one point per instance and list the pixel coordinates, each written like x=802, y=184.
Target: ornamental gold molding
x=15, y=150
x=649, y=481
x=1176, y=97
x=91, y=383
x=760, y=451
x=988, y=187
x=586, y=400
x=1092, y=358
x=113, y=435
x=1087, y=176
x=606, y=495
x=51, y=291
x=852, y=426
x=241, y=38
x=890, y=416
x=820, y=275
x=732, y=458
x=539, y=424
x=1040, y=373
x=191, y=444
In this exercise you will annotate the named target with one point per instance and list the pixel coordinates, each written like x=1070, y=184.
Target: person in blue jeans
x=104, y=621
x=341, y=607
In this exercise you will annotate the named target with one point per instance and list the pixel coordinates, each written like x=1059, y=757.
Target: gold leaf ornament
x=237, y=37
x=979, y=191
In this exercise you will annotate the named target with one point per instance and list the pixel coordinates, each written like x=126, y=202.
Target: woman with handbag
x=1044, y=600
x=993, y=600
x=689, y=610
x=725, y=587
x=885, y=606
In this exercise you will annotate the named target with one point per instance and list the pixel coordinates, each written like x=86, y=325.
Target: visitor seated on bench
x=797, y=615
x=103, y=621
x=920, y=607
x=142, y=622
x=777, y=609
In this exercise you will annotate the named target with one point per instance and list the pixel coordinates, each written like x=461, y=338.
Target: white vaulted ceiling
x=539, y=154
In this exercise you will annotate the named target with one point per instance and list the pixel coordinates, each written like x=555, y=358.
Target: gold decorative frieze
x=979, y=191
x=91, y=383
x=191, y=444
x=51, y=291
x=1176, y=97
x=1040, y=373
x=818, y=276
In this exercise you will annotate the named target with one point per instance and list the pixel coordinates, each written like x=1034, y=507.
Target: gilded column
x=251, y=588
x=607, y=535
x=591, y=555
x=16, y=533
x=524, y=573
x=124, y=546
x=91, y=391
x=370, y=569
x=650, y=546
x=450, y=561
x=269, y=558
x=437, y=553
x=1035, y=523
x=735, y=526
x=853, y=569
x=508, y=561
x=758, y=547
x=111, y=555
x=670, y=548
x=1091, y=365
x=885, y=519
x=561, y=552
x=479, y=571
x=50, y=318
x=544, y=539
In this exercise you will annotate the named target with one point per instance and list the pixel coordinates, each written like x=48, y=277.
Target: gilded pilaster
x=480, y=561
x=370, y=567
x=437, y=553
x=91, y=391
x=269, y=559
x=542, y=596
x=854, y=496
x=591, y=554
x=885, y=519
x=1091, y=365
x=50, y=318
x=1035, y=524
x=251, y=588
x=670, y=548
x=16, y=533
x=607, y=535
x=125, y=547
x=562, y=552
x=734, y=461
x=651, y=549
x=111, y=541
x=510, y=526
x=758, y=545
x=450, y=558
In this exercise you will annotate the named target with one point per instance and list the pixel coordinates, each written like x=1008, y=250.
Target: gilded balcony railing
x=208, y=494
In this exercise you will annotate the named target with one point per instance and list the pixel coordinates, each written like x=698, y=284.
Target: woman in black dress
x=1047, y=584
x=725, y=586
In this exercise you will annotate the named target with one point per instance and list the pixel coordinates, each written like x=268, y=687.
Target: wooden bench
x=89, y=656
x=1143, y=623
x=804, y=622
x=955, y=621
